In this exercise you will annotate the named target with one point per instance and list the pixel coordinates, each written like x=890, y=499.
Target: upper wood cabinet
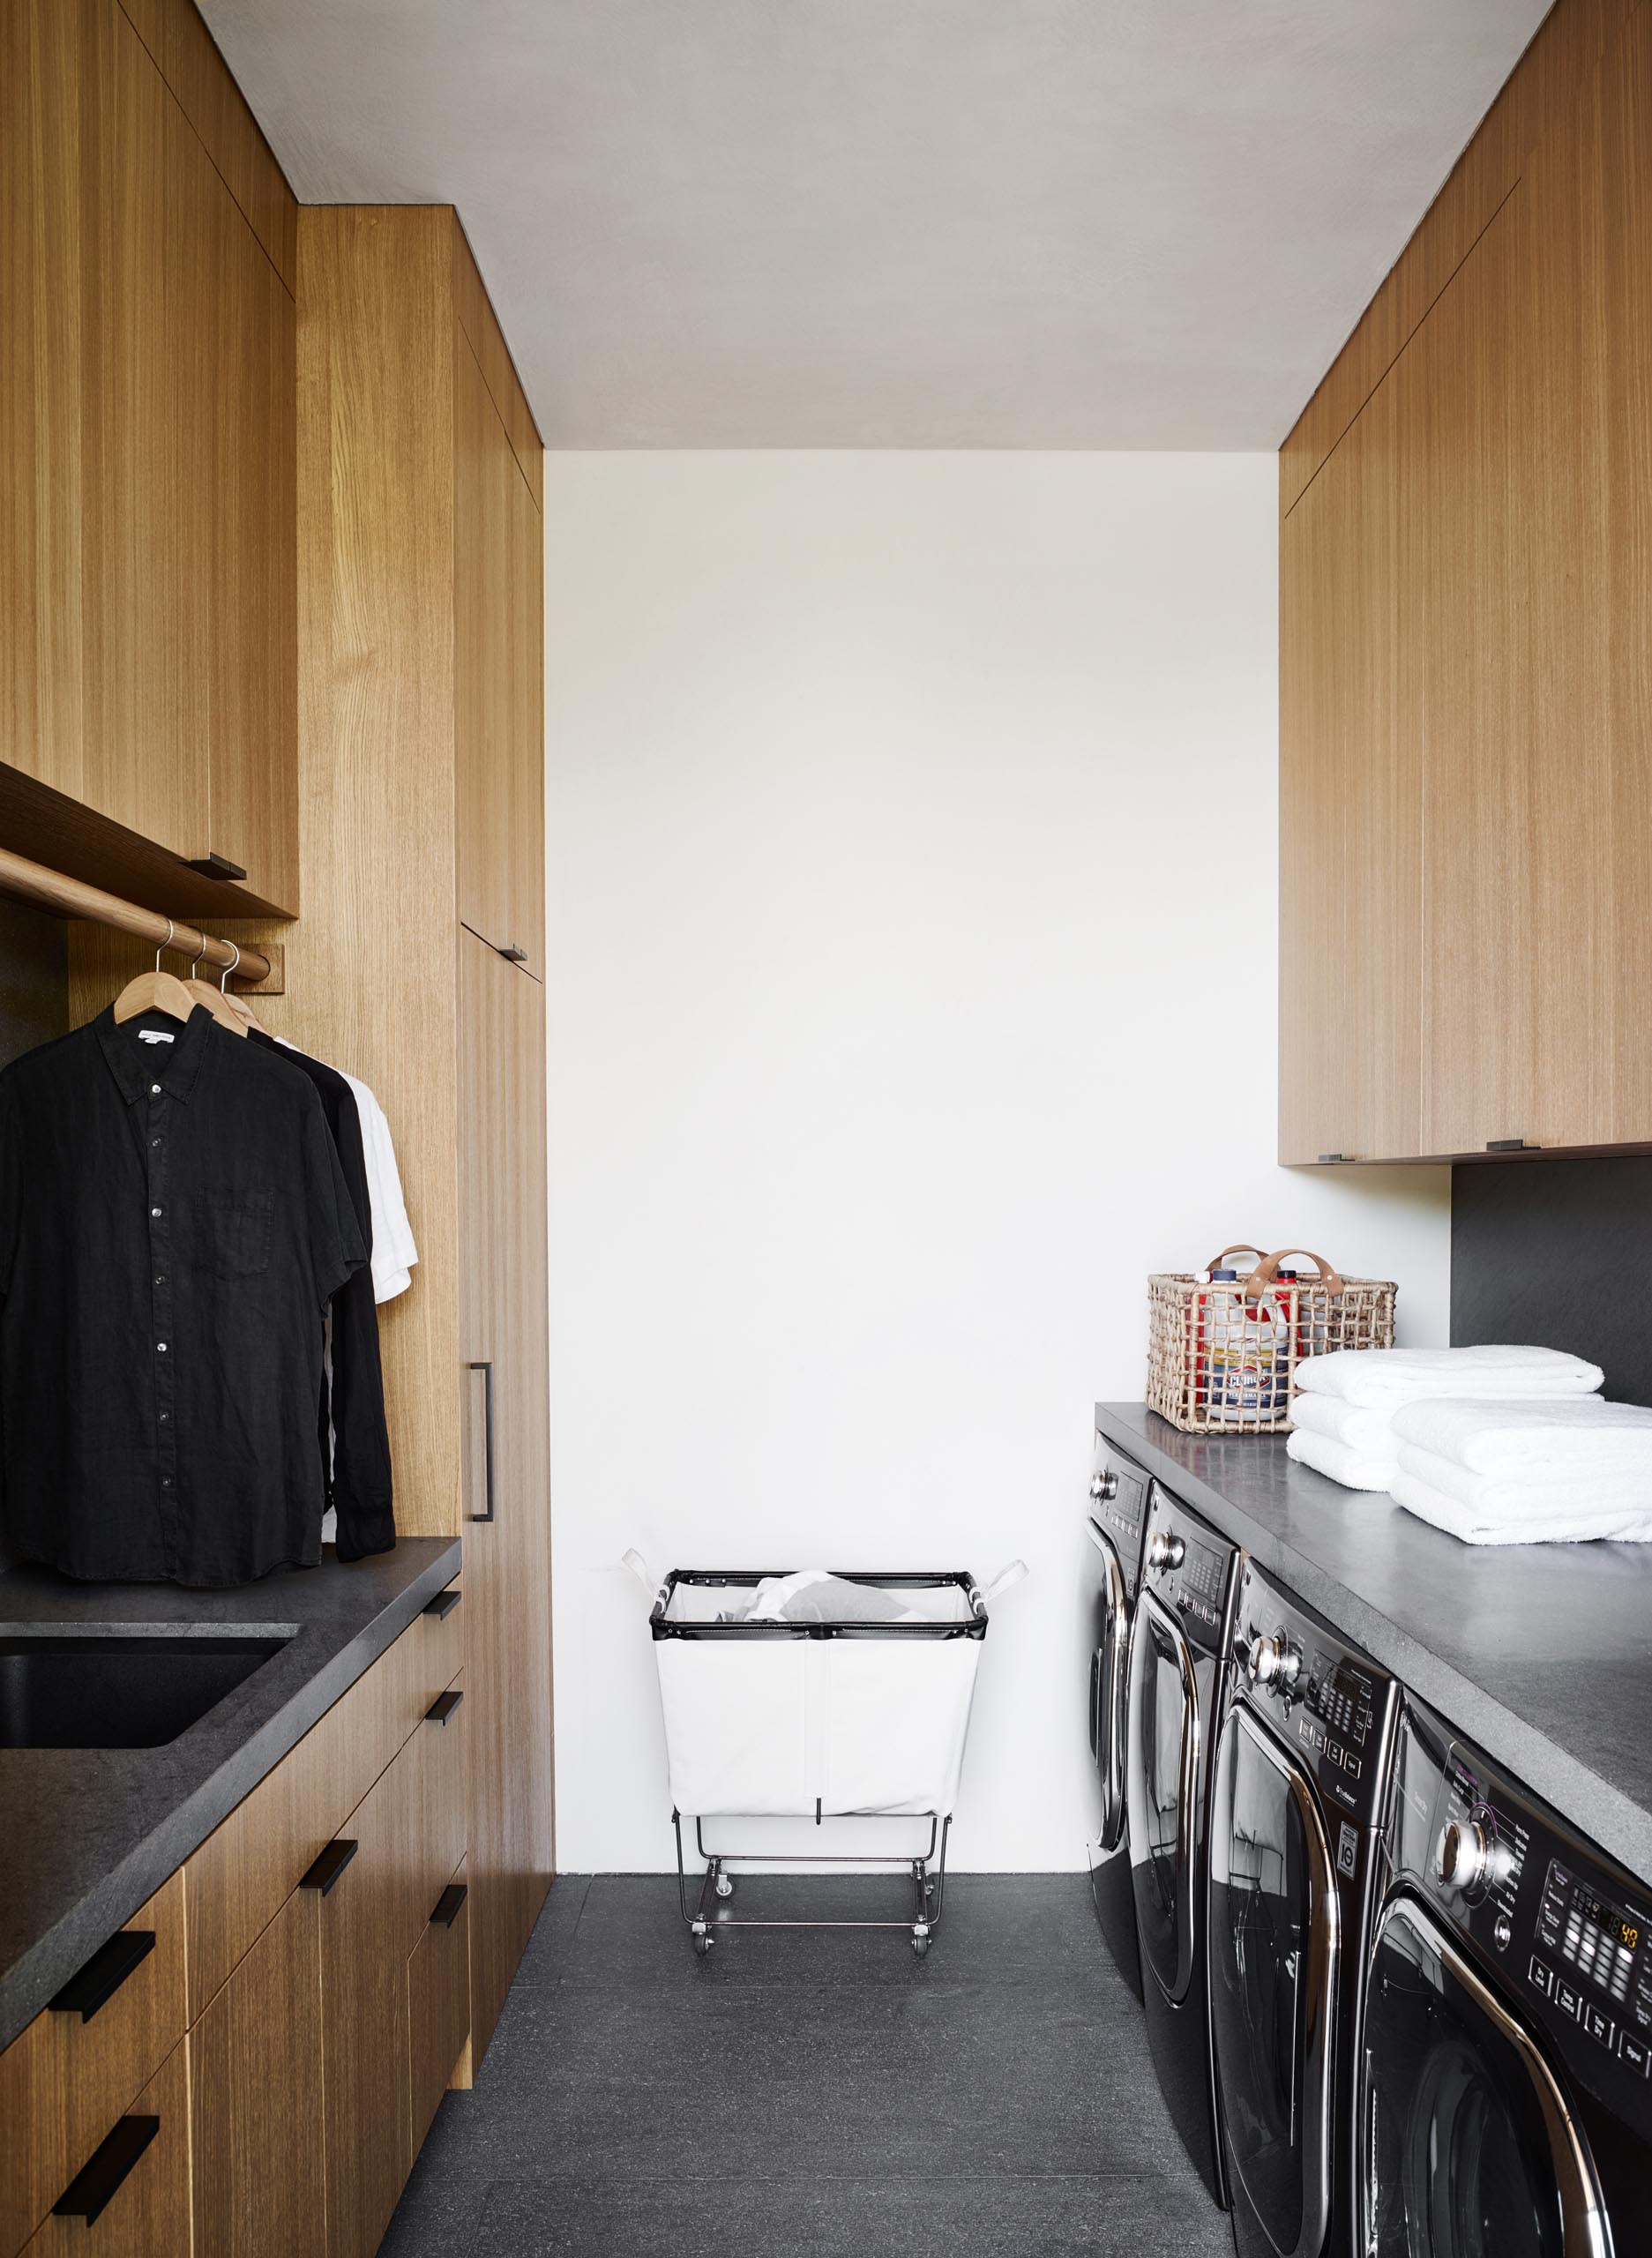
x=1466, y=676
x=148, y=665
x=498, y=710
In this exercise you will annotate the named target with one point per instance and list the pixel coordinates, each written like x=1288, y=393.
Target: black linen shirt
x=173, y=1223
x=354, y=1408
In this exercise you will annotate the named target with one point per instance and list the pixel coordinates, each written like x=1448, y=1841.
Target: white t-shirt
x=394, y=1252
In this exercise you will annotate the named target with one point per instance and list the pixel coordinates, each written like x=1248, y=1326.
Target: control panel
x=1189, y=1566
x=1324, y=1700
x=1569, y=1937
x=1118, y=1504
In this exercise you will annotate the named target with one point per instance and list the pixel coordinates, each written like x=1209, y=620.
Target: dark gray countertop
x=1540, y=1653
x=90, y=1834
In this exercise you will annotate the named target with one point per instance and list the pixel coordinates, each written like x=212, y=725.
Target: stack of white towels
x=1499, y=1446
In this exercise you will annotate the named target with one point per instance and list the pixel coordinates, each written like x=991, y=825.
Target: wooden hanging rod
x=70, y=898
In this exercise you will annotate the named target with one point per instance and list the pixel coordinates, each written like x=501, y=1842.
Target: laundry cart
x=819, y=1695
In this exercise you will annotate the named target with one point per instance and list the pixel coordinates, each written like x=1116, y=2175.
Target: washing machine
x=1295, y=1883
x=1113, y=1530
x=1179, y=1646
x=1505, y=2110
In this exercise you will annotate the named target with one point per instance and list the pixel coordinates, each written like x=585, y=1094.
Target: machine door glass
x=1162, y=1773
x=1274, y=1945
x=1469, y=2149
x=1109, y=1659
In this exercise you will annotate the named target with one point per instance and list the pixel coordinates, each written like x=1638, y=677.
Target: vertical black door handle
x=485, y=1368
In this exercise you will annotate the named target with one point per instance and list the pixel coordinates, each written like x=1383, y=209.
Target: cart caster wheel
x=725, y=1885
x=920, y=1945
x=703, y=1945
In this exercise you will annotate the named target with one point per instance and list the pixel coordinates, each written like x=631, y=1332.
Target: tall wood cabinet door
x=1350, y=828
x=507, y=1557
x=499, y=715
x=147, y=557
x=1522, y=924
x=147, y=2213
x=370, y=1919
x=255, y=2071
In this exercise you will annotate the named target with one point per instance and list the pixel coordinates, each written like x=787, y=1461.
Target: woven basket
x=1222, y=1359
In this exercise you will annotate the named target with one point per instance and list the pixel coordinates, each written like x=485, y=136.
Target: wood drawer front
x=439, y=2012
x=242, y=1875
x=429, y=1654
x=441, y=1788
x=65, y=2080
x=146, y=2215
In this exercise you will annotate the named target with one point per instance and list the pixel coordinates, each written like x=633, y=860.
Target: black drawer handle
x=442, y=1605
x=442, y=1707
x=109, y=1966
x=1511, y=1145
x=330, y=1863
x=447, y=1905
x=1325, y=1158
x=217, y=866
x=97, y=2182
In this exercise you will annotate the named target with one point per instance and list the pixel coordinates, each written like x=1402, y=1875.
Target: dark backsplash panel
x=1557, y=1253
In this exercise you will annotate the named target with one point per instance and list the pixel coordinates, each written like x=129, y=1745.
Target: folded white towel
x=1371, y=1431
x=1385, y=1377
x=1354, y=1468
x=1588, y=1436
x=1547, y=1497
x=1476, y=1526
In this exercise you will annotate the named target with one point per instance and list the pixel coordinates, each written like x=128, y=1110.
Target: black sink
x=117, y=1690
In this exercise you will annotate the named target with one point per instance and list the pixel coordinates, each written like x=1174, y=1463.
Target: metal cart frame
x=706, y=1916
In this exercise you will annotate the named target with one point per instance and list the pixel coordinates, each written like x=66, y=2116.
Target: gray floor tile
x=996, y=2217
x=812, y=2093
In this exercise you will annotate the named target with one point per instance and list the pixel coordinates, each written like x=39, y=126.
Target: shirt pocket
x=239, y=1228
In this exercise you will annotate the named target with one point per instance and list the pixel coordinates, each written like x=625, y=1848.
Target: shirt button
x=161, y=1277
x=155, y=1090
x=166, y=1481
x=154, y=1144
x=160, y=1348
x=164, y=1416
x=154, y=1211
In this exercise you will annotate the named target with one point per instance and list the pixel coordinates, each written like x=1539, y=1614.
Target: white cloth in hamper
x=1544, y=1498
x=1589, y=1437
x=1354, y=1468
x=1370, y=1432
x=1379, y=1377
x=1475, y=1525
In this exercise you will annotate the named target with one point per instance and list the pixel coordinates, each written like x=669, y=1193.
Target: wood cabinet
x=421, y=586
x=147, y=530
x=131, y=2199
x=326, y=2005
x=1466, y=590
x=502, y=1173
x=256, y=2063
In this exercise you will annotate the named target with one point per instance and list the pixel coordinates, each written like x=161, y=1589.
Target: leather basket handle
x=1243, y=1247
x=1267, y=1272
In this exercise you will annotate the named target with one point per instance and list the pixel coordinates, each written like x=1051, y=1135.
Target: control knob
x=1469, y=1859
x=1166, y=1550
x=1274, y=1662
x=1105, y=1486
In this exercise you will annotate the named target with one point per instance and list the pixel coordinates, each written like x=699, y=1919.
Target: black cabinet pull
x=1512, y=1145
x=514, y=955
x=442, y=1707
x=1325, y=1158
x=217, y=866
x=93, y=2187
x=486, y=1368
x=96, y=1985
x=330, y=1863
x=447, y=1905
x=442, y=1605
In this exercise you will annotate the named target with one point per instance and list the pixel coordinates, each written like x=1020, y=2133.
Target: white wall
x=912, y=987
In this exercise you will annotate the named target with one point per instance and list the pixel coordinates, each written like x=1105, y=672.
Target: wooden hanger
x=242, y=1009
x=213, y=1000
x=156, y=990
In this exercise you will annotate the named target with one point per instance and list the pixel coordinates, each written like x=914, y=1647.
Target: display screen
x=1599, y=1937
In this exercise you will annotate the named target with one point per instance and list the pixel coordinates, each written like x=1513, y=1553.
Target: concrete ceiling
x=896, y=223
